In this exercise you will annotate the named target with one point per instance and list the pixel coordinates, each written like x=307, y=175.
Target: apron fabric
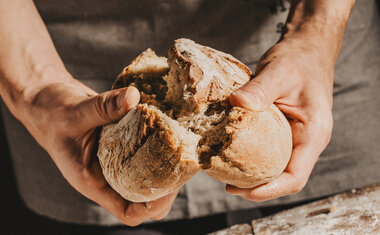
x=96, y=39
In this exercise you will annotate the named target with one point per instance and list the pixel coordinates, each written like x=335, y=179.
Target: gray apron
x=96, y=39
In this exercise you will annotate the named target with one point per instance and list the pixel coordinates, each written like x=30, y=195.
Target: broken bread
x=147, y=155
x=185, y=123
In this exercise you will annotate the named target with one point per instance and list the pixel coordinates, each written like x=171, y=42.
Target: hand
x=61, y=113
x=63, y=117
x=298, y=79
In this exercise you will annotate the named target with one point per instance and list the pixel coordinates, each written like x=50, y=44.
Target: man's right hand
x=61, y=113
x=64, y=118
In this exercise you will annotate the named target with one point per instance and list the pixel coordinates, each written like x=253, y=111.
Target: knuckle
x=327, y=123
x=134, y=214
x=253, y=196
x=296, y=189
x=142, y=212
x=258, y=91
x=101, y=107
x=135, y=219
x=159, y=217
x=298, y=186
x=164, y=214
x=132, y=223
x=324, y=125
x=255, y=199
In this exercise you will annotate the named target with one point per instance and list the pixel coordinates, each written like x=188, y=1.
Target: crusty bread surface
x=185, y=123
x=147, y=155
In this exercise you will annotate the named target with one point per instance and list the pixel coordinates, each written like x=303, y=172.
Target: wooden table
x=353, y=212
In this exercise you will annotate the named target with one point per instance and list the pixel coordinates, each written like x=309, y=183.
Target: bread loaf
x=185, y=123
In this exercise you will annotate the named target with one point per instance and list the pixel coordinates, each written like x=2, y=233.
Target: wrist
x=318, y=24
x=28, y=59
x=21, y=89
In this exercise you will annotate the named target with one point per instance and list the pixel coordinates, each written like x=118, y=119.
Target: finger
x=130, y=213
x=282, y=186
x=273, y=81
x=291, y=181
x=107, y=107
x=141, y=212
x=165, y=212
x=259, y=93
x=93, y=185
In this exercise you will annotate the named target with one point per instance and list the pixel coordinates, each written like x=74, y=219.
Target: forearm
x=28, y=58
x=320, y=24
x=297, y=75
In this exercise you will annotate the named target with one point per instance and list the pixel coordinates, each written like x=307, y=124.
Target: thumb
x=257, y=95
x=108, y=107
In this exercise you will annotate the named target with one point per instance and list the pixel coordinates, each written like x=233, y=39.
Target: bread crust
x=257, y=145
x=257, y=151
x=148, y=153
x=147, y=64
x=208, y=75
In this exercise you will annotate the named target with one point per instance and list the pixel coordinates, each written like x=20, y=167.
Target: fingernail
x=244, y=99
x=133, y=97
x=128, y=98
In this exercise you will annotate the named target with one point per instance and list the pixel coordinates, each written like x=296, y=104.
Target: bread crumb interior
x=152, y=87
x=166, y=92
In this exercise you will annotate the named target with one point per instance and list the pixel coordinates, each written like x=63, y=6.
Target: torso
x=96, y=39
